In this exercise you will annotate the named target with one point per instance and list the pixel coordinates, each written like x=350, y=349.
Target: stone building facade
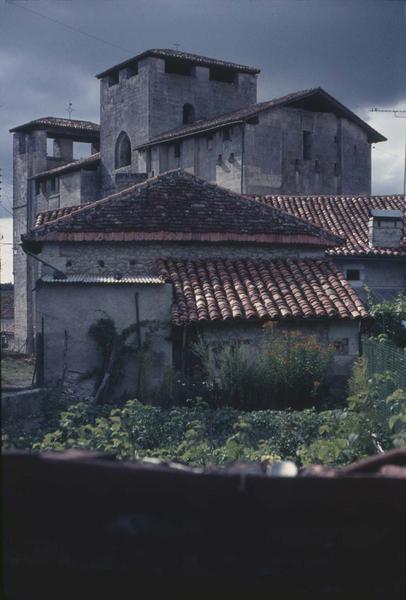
x=39, y=146
x=183, y=257
x=165, y=109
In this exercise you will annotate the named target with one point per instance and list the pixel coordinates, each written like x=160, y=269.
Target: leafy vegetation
x=286, y=371
x=374, y=420
x=389, y=319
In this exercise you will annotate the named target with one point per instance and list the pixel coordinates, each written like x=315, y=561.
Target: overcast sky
x=355, y=49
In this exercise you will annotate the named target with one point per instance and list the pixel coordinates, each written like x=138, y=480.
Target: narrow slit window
x=307, y=145
x=226, y=134
x=177, y=150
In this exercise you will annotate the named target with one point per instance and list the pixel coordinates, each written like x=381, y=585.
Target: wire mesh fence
x=382, y=356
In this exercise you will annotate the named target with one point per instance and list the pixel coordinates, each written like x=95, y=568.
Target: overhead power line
x=399, y=114
x=70, y=27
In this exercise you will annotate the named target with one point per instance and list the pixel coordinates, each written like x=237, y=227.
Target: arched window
x=188, y=113
x=123, y=151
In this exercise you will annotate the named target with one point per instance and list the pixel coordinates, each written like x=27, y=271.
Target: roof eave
x=158, y=54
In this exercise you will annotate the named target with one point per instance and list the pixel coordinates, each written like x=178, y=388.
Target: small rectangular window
x=335, y=139
x=336, y=169
x=353, y=274
x=224, y=75
x=22, y=145
x=178, y=67
x=113, y=78
x=226, y=134
x=177, y=150
x=53, y=185
x=317, y=166
x=307, y=145
x=131, y=70
x=209, y=142
x=37, y=187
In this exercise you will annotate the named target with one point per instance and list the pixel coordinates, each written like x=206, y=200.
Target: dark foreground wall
x=78, y=526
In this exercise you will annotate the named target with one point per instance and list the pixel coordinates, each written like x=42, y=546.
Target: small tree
x=389, y=318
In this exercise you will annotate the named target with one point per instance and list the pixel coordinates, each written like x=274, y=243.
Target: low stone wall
x=22, y=409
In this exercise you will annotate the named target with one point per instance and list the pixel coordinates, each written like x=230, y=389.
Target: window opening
x=353, y=274
x=123, y=151
x=226, y=134
x=307, y=145
x=188, y=113
x=224, y=75
x=113, y=78
x=131, y=70
x=178, y=67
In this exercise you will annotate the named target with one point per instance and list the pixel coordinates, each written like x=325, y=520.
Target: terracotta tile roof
x=83, y=163
x=345, y=216
x=51, y=215
x=219, y=290
x=184, y=56
x=59, y=123
x=295, y=99
x=181, y=207
x=7, y=301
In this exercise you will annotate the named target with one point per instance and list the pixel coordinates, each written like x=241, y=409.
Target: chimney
x=385, y=228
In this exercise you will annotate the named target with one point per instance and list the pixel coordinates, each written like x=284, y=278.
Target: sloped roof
x=51, y=215
x=184, y=56
x=83, y=163
x=345, y=216
x=59, y=123
x=222, y=289
x=301, y=99
x=178, y=206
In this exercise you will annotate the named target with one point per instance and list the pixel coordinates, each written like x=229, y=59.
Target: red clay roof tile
x=166, y=208
x=345, y=216
x=222, y=289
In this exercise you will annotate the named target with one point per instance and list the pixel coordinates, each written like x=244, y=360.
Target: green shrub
x=198, y=434
x=389, y=316
x=286, y=370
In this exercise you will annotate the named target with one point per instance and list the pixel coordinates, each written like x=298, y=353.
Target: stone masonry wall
x=274, y=162
x=341, y=335
x=68, y=312
x=267, y=158
x=138, y=259
x=29, y=157
x=151, y=102
x=384, y=277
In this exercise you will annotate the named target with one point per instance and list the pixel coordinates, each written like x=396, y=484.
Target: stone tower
x=157, y=91
x=30, y=157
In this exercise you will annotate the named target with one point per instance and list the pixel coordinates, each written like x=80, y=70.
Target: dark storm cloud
x=354, y=49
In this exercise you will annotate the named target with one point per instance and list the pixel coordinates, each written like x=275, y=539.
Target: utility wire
x=13, y=215
x=71, y=28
